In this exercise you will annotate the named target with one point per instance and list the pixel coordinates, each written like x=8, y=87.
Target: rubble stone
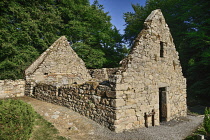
x=148, y=88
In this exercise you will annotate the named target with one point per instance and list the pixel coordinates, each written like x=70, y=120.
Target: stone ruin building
x=147, y=89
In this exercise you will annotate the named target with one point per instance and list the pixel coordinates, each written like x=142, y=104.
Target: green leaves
x=93, y=58
x=16, y=119
x=197, y=47
x=206, y=121
x=27, y=28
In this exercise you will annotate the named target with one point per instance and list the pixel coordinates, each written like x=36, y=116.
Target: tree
x=197, y=47
x=27, y=28
x=24, y=34
x=90, y=28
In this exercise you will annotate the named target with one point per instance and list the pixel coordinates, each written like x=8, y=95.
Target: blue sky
x=116, y=8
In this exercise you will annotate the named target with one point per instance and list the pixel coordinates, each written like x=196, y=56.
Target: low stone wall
x=92, y=100
x=102, y=74
x=12, y=88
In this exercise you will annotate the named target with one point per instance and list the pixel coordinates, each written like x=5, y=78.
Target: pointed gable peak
x=60, y=42
x=156, y=33
x=153, y=14
x=155, y=19
x=62, y=38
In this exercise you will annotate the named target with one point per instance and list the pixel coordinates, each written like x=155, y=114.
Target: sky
x=116, y=8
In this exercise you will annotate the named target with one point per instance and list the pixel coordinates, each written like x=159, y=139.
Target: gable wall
x=145, y=72
x=59, y=65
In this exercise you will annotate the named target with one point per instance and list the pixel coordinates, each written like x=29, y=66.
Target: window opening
x=161, y=49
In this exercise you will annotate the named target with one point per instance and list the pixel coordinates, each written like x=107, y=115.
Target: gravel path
x=76, y=127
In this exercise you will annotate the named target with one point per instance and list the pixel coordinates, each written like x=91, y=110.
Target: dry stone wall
x=12, y=88
x=95, y=101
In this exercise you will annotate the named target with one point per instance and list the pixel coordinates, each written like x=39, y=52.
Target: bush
x=16, y=120
x=206, y=122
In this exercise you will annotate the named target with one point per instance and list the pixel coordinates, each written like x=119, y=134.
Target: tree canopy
x=27, y=28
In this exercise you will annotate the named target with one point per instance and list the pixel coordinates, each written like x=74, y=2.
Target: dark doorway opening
x=162, y=104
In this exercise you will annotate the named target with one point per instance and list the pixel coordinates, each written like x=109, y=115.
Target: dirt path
x=76, y=127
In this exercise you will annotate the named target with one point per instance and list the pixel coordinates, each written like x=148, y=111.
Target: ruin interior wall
x=103, y=74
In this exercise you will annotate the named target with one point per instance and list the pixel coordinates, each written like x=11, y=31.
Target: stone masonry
x=12, y=88
x=58, y=65
x=147, y=89
x=90, y=99
x=151, y=80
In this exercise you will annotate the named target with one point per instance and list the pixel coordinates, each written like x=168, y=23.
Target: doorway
x=162, y=104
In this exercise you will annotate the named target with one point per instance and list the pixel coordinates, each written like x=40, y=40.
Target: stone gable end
x=58, y=65
x=151, y=81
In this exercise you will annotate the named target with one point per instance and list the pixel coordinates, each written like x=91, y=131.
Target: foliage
x=196, y=48
x=27, y=28
x=206, y=121
x=189, y=22
x=93, y=57
x=91, y=33
x=16, y=120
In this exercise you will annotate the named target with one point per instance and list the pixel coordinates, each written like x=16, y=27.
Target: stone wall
x=147, y=89
x=102, y=74
x=58, y=65
x=92, y=100
x=152, y=79
x=12, y=88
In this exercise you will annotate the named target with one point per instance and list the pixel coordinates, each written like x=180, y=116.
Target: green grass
x=43, y=130
x=19, y=121
x=16, y=120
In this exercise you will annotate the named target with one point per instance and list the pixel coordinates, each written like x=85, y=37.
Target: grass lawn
x=18, y=120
